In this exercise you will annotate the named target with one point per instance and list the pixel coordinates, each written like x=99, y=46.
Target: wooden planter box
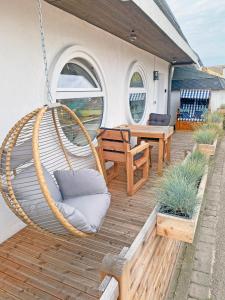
x=220, y=125
x=207, y=149
x=179, y=228
x=221, y=110
x=144, y=270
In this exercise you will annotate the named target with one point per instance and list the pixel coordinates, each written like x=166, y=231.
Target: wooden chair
x=114, y=146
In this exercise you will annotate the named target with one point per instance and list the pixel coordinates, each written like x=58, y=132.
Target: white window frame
x=75, y=53
x=82, y=90
x=136, y=67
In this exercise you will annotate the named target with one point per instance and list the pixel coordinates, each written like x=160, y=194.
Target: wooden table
x=162, y=134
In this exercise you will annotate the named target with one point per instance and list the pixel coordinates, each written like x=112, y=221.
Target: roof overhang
x=154, y=32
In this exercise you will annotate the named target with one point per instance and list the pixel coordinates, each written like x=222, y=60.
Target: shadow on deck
x=36, y=266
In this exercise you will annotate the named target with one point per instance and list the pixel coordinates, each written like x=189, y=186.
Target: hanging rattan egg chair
x=50, y=174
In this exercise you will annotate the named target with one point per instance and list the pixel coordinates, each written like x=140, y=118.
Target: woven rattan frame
x=7, y=148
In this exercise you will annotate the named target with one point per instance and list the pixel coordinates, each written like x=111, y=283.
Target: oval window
x=79, y=89
x=137, y=97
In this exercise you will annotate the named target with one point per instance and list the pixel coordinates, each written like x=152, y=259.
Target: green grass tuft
x=213, y=126
x=205, y=136
x=198, y=157
x=215, y=117
x=177, y=197
x=177, y=194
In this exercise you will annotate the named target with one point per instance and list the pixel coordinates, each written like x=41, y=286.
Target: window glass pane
x=137, y=105
x=136, y=81
x=73, y=76
x=89, y=111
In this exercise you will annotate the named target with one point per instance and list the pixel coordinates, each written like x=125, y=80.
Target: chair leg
x=139, y=140
x=146, y=170
x=102, y=161
x=130, y=175
x=150, y=159
x=113, y=172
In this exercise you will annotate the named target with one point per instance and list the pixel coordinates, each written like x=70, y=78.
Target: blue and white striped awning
x=195, y=94
x=137, y=97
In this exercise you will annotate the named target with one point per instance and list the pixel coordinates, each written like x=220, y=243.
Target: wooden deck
x=36, y=266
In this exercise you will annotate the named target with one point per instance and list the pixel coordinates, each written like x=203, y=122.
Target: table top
x=149, y=131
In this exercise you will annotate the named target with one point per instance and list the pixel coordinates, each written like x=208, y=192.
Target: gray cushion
x=26, y=184
x=75, y=217
x=93, y=207
x=80, y=183
x=159, y=119
x=20, y=155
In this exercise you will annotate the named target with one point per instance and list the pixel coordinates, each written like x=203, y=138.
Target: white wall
x=174, y=105
x=22, y=76
x=217, y=98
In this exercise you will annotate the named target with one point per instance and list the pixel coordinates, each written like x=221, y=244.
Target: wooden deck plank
x=6, y=296
x=41, y=282
x=37, y=266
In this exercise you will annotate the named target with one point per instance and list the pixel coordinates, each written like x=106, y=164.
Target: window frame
x=83, y=66
x=76, y=54
x=137, y=68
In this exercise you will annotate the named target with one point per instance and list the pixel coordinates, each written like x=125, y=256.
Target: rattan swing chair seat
x=40, y=139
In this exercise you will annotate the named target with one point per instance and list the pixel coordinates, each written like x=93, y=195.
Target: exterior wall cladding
x=22, y=72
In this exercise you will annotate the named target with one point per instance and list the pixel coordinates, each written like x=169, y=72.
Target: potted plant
x=206, y=139
x=215, y=118
x=221, y=109
x=180, y=196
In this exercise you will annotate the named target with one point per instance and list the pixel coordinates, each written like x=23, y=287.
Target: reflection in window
x=137, y=97
x=137, y=105
x=85, y=98
x=73, y=76
x=89, y=111
x=136, y=81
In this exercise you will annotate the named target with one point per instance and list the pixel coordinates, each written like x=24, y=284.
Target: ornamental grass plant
x=205, y=136
x=198, y=157
x=177, y=197
x=214, y=117
x=178, y=191
x=213, y=126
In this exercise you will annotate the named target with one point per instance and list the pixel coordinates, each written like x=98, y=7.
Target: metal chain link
x=44, y=52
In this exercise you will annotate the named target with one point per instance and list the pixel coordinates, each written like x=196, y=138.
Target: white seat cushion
x=92, y=207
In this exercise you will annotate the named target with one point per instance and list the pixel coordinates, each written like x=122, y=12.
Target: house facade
x=190, y=78
x=112, y=61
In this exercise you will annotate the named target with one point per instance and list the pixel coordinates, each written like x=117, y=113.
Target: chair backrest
x=159, y=119
x=114, y=143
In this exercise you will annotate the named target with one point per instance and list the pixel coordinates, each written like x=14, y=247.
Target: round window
x=137, y=96
x=79, y=88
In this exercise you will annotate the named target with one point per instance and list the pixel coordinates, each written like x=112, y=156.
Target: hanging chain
x=44, y=52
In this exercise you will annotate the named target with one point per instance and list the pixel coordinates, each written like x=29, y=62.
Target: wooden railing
x=109, y=288
x=144, y=270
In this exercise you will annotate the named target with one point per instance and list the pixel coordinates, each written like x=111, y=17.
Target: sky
x=203, y=24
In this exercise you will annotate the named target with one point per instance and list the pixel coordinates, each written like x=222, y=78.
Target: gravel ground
x=218, y=283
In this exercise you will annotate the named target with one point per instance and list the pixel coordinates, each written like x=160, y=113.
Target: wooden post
x=118, y=267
